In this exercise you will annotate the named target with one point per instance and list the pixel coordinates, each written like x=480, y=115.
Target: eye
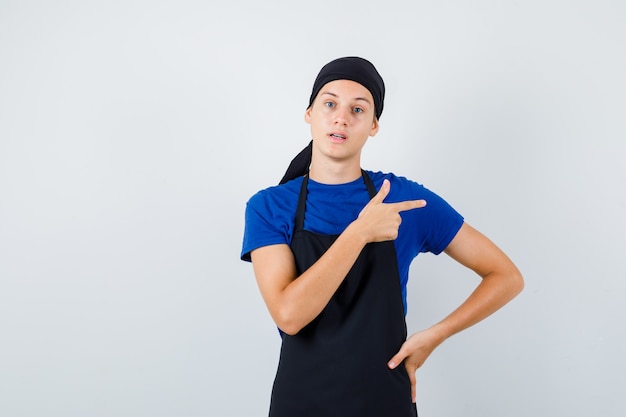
x=358, y=110
x=329, y=104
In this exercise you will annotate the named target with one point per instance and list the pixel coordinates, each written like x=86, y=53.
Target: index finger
x=382, y=193
x=408, y=205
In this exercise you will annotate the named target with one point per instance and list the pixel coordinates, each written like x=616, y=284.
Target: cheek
x=318, y=120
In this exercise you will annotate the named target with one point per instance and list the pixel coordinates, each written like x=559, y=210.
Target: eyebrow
x=335, y=95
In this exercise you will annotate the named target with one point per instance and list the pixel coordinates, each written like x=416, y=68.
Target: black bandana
x=354, y=69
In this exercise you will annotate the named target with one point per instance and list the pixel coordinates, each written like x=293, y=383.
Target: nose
x=341, y=116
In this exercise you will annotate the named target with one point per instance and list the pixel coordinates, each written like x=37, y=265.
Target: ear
x=375, y=126
x=307, y=115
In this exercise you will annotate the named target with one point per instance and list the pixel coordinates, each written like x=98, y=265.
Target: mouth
x=337, y=137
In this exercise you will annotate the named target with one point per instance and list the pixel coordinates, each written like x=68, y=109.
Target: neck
x=331, y=172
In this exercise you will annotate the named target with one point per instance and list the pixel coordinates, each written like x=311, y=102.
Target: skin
x=342, y=118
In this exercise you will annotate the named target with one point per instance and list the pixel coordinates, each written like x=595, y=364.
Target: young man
x=331, y=248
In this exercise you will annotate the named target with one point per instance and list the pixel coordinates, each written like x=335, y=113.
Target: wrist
x=440, y=332
x=354, y=234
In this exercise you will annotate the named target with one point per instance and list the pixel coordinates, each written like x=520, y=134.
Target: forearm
x=301, y=300
x=494, y=291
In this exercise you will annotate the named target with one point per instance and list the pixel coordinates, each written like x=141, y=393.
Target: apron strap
x=301, y=204
x=369, y=184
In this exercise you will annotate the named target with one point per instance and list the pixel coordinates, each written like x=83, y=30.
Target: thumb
x=382, y=193
x=397, y=359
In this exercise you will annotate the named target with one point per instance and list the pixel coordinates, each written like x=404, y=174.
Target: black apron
x=337, y=364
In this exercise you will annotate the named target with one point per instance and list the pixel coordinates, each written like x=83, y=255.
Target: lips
x=337, y=137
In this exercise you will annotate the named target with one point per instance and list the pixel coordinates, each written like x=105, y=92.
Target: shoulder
x=276, y=197
x=402, y=188
x=269, y=216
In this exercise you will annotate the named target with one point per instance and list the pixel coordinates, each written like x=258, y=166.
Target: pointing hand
x=380, y=221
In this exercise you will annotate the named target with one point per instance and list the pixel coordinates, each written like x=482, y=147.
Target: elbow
x=518, y=279
x=516, y=282
x=288, y=322
x=519, y=283
x=509, y=282
x=290, y=331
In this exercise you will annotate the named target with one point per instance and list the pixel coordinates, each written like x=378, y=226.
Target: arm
x=293, y=303
x=501, y=282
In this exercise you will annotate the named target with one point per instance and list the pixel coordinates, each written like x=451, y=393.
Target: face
x=342, y=118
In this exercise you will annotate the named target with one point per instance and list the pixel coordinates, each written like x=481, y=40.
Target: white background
x=133, y=132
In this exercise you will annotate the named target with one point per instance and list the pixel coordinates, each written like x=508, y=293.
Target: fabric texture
x=270, y=216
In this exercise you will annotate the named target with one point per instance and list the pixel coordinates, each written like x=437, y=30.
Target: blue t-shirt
x=270, y=216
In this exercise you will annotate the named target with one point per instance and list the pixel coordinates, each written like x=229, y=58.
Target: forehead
x=346, y=89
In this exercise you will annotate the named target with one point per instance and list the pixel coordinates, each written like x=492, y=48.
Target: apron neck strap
x=369, y=184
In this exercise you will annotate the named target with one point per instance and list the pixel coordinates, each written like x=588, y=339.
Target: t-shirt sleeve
x=263, y=226
x=427, y=229
x=440, y=222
